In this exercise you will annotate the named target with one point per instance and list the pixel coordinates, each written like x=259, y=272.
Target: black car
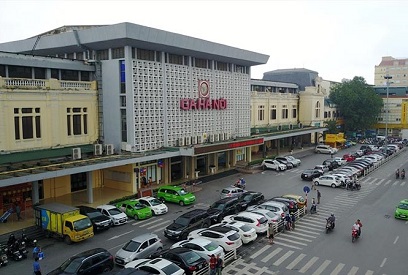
x=250, y=198
x=224, y=207
x=290, y=203
x=331, y=163
x=184, y=224
x=93, y=261
x=99, y=221
x=310, y=174
x=283, y=160
x=188, y=260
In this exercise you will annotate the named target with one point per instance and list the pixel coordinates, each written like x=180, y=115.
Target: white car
x=340, y=160
x=328, y=180
x=247, y=233
x=273, y=164
x=325, y=149
x=202, y=247
x=322, y=168
x=157, y=206
x=227, y=238
x=116, y=216
x=277, y=207
x=156, y=266
x=256, y=221
x=296, y=162
x=342, y=177
x=271, y=216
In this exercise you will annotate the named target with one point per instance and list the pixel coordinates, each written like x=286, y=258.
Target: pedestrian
x=293, y=221
x=36, y=267
x=213, y=265
x=319, y=195
x=36, y=250
x=219, y=266
x=271, y=233
x=18, y=211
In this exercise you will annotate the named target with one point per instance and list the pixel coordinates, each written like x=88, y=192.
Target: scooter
x=22, y=248
x=402, y=175
x=14, y=253
x=28, y=241
x=313, y=209
x=354, y=235
x=3, y=255
x=397, y=175
x=329, y=226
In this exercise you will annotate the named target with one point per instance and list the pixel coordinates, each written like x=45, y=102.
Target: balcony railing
x=46, y=84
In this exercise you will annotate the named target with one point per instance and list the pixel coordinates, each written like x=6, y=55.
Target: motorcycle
x=402, y=175
x=22, y=248
x=29, y=242
x=397, y=175
x=313, y=209
x=239, y=184
x=329, y=226
x=3, y=255
x=354, y=235
x=14, y=253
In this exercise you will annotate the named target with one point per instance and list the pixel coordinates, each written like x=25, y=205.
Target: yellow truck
x=63, y=221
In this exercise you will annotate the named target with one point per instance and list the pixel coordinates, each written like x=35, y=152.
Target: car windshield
x=138, y=206
x=190, y=256
x=114, y=211
x=218, y=205
x=182, y=221
x=71, y=266
x=245, y=228
x=225, y=191
x=403, y=206
x=211, y=246
x=131, y=246
x=155, y=202
x=93, y=214
x=182, y=192
x=308, y=171
x=234, y=237
x=82, y=224
x=170, y=269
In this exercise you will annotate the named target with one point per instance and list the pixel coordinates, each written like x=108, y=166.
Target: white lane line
x=291, y=241
x=388, y=182
x=307, y=231
x=322, y=267
x=308, y=264
x=161, y=228
x=270, y=255
x=260, y=251
x=383, y=262
x=143, y=224
x=308, y=227
x=396, y=239
x=337, y=270
x=403, y=183
x=296, y=261
x=289, y=246
x=302, y=221
x=395, y=183
x=378, y=183
x=309, y=224
x=353, y=270
x=120, y=235
x=283, y=258
x=286, y=236
x=160, y=224
x=369, y=272
x=299, y=234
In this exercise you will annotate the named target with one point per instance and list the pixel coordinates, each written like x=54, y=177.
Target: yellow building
x=394, y=67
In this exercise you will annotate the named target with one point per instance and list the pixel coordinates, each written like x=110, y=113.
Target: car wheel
x=181, y=203
x=135, y=217
x=67, y=240
x=316, y=183
x=318, y=152
x=107, y=269
x=333, y=185
x=184, y=236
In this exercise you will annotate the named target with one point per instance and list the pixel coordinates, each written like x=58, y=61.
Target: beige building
x=394, y=67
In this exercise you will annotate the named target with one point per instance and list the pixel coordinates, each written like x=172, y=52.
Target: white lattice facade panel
x=148, y=103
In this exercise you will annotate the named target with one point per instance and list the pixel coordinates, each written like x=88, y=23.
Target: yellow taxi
x=299, y=199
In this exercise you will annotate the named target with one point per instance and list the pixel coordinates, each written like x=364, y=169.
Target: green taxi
x=401, y=212
x=134, y=209
x=175, y=194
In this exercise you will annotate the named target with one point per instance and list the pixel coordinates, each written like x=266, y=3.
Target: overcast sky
x=338, y=39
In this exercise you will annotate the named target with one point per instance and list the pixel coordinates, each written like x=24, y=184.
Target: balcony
x=46, y=84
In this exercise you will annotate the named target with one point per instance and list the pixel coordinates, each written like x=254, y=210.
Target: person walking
x=271, y=233
x=213, y=265
x=18, y=211
x=36, y=267
x=293, y=220
x=219, y=265
x=319, y=195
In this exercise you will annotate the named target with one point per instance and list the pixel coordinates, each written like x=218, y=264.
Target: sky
x=338, y=39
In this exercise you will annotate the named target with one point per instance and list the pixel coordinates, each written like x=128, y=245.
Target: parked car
x=342, y=177
x=246, y=232
x=349, y=157
x=249, y=198
x=272, y=217
x=134, y=209
x=273, y=164
x=140, y=247
x=204, y=247
x=274, y=206
x=175, y=194
x=340, y=161
x=184, y=224
x=331, y=164
x=157, y=206
x=231, y=191
x=290, y=203
x=296, y=162
x=116, y=216
x=227, y=238
x=98, y=220
x=322, y=168
x=325, y=149
x=189, y=260
x=224, y=207
x=328, y=180
x=256, y=221
x=285, y=162
x=299, y=199
x=93, y=261
x=157, y=266
x=310, y=174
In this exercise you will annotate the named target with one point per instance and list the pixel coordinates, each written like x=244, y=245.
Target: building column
x=35, y=196
x=193, y=162
x=227, y=159
x=265, y=151
x=89, y=189
x=233, y=157
x=248, y=154
x=277, y=147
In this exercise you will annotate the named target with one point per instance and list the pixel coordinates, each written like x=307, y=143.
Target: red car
x=349, y=157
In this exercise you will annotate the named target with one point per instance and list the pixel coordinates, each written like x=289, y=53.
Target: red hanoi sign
x=203, y=104
x=246, y=143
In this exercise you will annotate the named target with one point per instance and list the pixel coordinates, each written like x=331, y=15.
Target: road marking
x=293, y=237
x=319, y=222
x=270, y=255
x=260, y=251
x=403, y=183
x=283, y=258
x=308, y=227
x=378, y=183
x=395, y=183
x=309, y=224
x=337, y=270
x=369, y=272
x=165, y=223
x=310, y=232
x=353, y=270
x=300, y=234
x=322, y=267
x=147, y=223
x=161, y=228
x=388, y=182
x=383, y=262
x=292, y=241
x=289, y=246
x=308, y=264
x=396, y=239
x=120, y=235
x=296, y=261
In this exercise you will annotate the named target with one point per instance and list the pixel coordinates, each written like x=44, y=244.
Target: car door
x=130, y=211
x=153, y=246
x=175, y=259
x=144, y=202
x=143, y=251
x=85, y=268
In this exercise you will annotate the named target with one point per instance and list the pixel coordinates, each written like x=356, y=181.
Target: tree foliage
x=359, y=105
x=331, y=126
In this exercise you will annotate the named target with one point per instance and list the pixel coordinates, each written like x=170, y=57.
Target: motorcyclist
x=403, y=173
x=242, y=182
x=12, y=240
x=288, y=220
x=313, y=208
x=397, y=173
x=356, y=227
x=332, y=220
x=359, y=227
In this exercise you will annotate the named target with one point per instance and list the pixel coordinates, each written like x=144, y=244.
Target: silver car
x=232, y=191
x=140, y=247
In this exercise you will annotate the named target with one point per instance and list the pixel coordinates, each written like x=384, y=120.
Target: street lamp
x=387, y=77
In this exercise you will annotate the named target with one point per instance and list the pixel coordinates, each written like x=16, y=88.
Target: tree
x=331, y=126
x=359, y=105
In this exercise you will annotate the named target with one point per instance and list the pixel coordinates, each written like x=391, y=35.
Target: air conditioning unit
x=98, y=149
x=211, y=138
x=279, y=128
x=257, y=131
x=76, y=153
x=194, y=140
x=199, y=139
x=221, y=137
x=226, y=136
x=216, y=137
x=187, y=141
x=180, y=142
x=300, y=125
x=109, y=149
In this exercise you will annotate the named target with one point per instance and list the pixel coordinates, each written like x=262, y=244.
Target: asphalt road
x=308, y=249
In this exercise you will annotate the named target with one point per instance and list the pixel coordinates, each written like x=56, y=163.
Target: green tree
x=331, y=126
x=359, y=105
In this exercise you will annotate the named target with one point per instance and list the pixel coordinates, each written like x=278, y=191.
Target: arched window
x=317, y=109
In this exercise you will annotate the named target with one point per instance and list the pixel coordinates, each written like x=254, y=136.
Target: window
x=102, y=55
x=70, y=56
x=123, y=124
x=273, y=112
x=69, y=75
x=325, y=114
x=261, y=113
x=3, y=70
x=221, y=66
x=201, y=63
x=39, y=73
x=27, y=123
x=55, y=73
x=285, y=112
x=19, y=72
x=80, y=56
x=77, y=121
x=145, y=54
x=175, y=59
x=85, y=76
x=317, y=109
x=118, y=53
x=294, y=111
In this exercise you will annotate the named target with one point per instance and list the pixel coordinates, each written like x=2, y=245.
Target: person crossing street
x=319, y=195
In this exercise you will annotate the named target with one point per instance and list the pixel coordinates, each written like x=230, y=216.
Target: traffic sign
x=306, y=189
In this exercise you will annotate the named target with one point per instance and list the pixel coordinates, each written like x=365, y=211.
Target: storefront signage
x=203, y=104
x=246, y=143
x=228, y=146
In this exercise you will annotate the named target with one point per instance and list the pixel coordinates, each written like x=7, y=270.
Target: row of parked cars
x=281, y=163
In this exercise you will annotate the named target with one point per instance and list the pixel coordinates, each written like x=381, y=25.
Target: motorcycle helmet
x=332, y=214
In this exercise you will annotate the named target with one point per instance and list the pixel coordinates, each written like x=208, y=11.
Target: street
x=306, y=250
